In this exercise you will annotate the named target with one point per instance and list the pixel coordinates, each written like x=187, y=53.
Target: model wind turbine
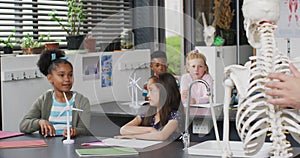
x=134, y=90
x=68, y=108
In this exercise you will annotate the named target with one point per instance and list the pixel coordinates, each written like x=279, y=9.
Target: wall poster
x=288, y=24
x=90, y=68
x=106, y=70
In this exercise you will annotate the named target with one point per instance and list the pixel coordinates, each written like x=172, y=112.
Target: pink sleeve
x=210, y=82
x=184, y=85
x=205, y=99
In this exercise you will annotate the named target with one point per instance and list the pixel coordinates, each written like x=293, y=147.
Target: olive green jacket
x=41, y=109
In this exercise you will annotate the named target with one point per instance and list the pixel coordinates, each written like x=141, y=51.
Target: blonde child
x=44, y=114
x=196, y=68
x=163, y=119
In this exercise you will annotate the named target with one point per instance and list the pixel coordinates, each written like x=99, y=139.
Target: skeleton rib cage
x=255, y=117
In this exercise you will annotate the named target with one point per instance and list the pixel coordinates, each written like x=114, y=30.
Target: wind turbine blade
x=137, y=79
x=76, y=109
x=64, y=109
x=67, y=102
x=139, y=87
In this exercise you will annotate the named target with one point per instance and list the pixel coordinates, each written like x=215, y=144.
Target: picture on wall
x=106, y=70
x=90, y=68
x=288, y=24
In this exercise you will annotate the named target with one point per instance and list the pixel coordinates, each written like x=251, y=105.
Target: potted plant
x=50, y=44
x=225, y=14
x=9, y=43
x=127, y=39
x=73, y=23
x=31, y=46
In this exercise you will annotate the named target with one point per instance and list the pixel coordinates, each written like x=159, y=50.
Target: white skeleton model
x=255, y=117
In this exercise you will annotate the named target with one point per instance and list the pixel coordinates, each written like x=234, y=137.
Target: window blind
x=105, y=19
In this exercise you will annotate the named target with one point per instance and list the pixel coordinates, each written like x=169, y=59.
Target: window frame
x=31, y=16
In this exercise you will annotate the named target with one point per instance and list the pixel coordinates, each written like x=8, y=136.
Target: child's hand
x=73, y=132
x=184, y=94
x=184, y=97
x=193, y=101
x=46, y=127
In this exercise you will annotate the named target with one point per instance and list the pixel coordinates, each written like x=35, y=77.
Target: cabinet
x=220, y=57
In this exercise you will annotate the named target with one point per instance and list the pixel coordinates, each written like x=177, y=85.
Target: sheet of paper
x=112, y=151
x=23, y=144
x=131, y=143
x=6, y=134
x=96, y=143
x=139, y=103
x=205, y=105
x=214, y=148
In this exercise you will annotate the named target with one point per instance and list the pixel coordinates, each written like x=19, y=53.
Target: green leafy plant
x=76, y=15
x=9, y=42
x=48, y=39
x=29, y=42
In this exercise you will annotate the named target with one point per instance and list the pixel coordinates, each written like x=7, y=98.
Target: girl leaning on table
x=47, y=113
x=164, y=118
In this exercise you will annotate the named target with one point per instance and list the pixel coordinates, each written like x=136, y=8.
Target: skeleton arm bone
x=226, y=147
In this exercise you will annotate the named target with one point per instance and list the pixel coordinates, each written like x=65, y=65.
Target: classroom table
x=106, y=121
x=116, y=114
x=56, y=149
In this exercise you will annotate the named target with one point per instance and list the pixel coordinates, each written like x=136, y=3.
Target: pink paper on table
x=23, y=144
x=5, y=134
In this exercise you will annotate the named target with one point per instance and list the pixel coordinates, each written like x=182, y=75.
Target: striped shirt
x=58, y=115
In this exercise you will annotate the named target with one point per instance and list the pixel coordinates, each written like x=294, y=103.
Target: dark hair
x=158, y=54
x=169, y=98
x=50, y=59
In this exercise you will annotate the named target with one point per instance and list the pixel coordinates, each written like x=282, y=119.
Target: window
x=105, y=19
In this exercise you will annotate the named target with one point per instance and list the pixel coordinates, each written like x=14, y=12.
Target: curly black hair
x=46, y=64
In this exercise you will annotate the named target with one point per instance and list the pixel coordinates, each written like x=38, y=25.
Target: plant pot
x=33, y=50
x=90, y=44
x=74, y=41
x=7, y=50
x=50, y=46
